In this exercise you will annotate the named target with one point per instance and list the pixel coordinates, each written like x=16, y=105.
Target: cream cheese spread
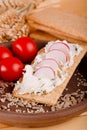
x=32, y=84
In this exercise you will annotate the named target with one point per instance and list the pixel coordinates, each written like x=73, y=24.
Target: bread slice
x=56, y=33
x=52, y=97
x=78, y=7
x=69, y=25
x=42, y=36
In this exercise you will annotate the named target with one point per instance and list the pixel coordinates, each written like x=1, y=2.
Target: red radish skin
x=50, y=63
x=58, y=55
x=64, y=44
x=61, y=46
x=45, y=72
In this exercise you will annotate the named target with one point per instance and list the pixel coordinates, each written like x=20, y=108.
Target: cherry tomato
x=11, y=69
x=4, y=53
x=25, y=49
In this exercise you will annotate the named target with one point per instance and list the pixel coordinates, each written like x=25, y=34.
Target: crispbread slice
x=55, y=33
x=69, y=24
x=42, y=36
x=52, y=97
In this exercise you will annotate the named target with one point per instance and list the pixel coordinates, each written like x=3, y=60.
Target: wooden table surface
x=76, y=123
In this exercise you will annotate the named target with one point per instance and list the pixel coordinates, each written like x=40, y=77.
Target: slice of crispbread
x=42, y=36
x=56, y=33
x=52, y=97
x=69, y=24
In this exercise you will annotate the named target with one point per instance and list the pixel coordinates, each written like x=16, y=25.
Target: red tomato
x=11, y=69
x=4, y=53
x=25, y=49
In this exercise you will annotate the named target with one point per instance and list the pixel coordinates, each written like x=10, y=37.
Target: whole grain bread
x=42, y=36
x=55, y=33
x=52, y=97
x=69, y=25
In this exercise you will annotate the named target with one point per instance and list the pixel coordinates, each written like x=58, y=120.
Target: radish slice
x=58, y=55
x=50, y=63
x=45, y=72
x=61, y=46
